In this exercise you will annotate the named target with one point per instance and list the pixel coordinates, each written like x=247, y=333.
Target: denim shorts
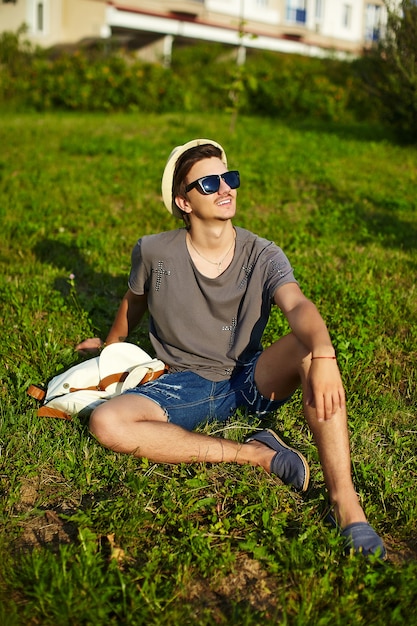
x=190, y=400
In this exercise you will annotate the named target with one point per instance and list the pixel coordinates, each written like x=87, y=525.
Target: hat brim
x=168, y=175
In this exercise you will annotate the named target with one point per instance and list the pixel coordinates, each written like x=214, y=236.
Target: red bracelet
x=323, y=357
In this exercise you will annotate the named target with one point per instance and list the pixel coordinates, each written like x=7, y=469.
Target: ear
x=183, y=204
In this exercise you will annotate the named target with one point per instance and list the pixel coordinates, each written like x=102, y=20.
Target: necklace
x=217, y=263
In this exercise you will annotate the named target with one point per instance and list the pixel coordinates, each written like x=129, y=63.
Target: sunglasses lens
x=210, y=184
x=232, y=179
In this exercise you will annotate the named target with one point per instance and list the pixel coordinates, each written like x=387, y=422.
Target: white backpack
x=84, y=386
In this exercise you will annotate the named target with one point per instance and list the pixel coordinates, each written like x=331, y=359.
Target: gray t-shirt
x=207, y=325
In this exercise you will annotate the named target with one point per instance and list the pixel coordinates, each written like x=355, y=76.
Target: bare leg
x=279, y=371
x=136, y=425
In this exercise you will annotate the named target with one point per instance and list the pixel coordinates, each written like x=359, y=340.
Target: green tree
x=391, y=69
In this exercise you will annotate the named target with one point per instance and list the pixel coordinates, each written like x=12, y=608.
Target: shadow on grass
x=386, y=221
x=384, y=224
x=98, y=293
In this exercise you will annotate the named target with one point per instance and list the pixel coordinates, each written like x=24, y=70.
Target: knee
x=102, y=424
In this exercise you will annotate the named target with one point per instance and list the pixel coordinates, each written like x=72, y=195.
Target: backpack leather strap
x=36, y=392
x=46, y=411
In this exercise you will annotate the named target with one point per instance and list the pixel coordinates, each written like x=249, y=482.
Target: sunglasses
x=211, y=184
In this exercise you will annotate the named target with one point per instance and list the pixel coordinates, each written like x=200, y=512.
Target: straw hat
x=168, y=175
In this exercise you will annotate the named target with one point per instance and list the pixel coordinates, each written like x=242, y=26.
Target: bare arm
x=325, y=387
x=131, y=310
x=304, y=319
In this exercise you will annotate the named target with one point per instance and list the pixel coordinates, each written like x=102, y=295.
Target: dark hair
x=186, y=162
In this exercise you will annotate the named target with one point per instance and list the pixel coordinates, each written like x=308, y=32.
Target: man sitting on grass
x=209, y=288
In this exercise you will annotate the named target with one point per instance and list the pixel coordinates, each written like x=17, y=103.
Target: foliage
x=390, y=71
x=293, y=87
x=16, y=55
x=201, y=78
x=88, y=536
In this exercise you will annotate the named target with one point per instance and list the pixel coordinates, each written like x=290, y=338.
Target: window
x=373, y=19
x=347, y=16
x=38, y=16
x=40, y=26
x=296, y=11
x=262, y=3
x=319, y=10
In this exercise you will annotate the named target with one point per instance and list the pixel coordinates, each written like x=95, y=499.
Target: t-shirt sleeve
x=278, y=270
x=138, y=276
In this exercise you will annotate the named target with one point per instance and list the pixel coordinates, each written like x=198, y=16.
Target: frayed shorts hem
x=189, y=400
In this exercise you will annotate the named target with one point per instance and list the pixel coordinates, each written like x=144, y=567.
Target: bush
x=78, y=83
x=289, y=86
x=81, y=81
x=273, y=84
x=202, y=78
x=16, y=56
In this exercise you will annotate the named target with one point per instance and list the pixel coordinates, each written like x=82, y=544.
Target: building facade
x=312, y=27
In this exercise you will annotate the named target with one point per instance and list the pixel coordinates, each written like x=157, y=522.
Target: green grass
x=92, y=537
